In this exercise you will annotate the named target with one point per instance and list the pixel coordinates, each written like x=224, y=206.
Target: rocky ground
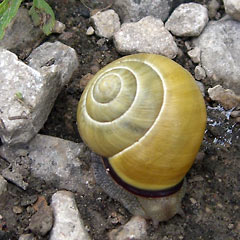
x=33, y=174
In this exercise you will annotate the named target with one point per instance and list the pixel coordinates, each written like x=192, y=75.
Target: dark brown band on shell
x=137, y=191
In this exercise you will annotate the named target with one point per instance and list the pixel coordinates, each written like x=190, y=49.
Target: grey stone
x=220, y=53
x=68, y=223
x=194, y=54
x=201, y=87
x=134, y=10
x=21, y=34
x=42, y=221
x=28, y=236
x=213, y=6
x=3, y=185
x=136, y=229
x=106, y=23
x=28, y=92
x=59, y=27
x=147, y=35
x=17, y=171
x=57, y=58
x=232, y=8
x=60, y=162
x=199, y=73
x=15, y=177
x=226, y=97
x=187, y=20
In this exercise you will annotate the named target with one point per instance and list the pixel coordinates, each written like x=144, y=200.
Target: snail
x=144, y=118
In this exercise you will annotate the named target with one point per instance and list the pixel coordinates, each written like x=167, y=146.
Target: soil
x=212, y=201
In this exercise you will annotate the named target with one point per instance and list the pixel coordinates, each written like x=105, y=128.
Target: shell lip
x=137, y=191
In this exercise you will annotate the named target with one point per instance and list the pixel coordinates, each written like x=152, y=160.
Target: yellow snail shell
x=145, y=115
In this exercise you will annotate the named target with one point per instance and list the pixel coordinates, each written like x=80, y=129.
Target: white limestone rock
x=106, y=23
x=199, y=73
x=226, y=97
x=148, y=35
x=28, y=92
x=232, y=8
x=220, y=53
x=194, y=54
x=187, y=20
x=68, y=224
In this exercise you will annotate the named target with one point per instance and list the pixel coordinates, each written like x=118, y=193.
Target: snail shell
x=145, y=115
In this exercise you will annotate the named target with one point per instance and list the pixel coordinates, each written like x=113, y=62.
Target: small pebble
x=196, y=179
x=208, y=210
x=30, y=210
x=17, y=210
x=194, y=54
x=200, y=156
x=85, y=80
x=213, y=6
x=106, y=23
x=135, y=229
x=41, y=222
x=230, y=226
x=237, y=119
x=226, y=97
x=199, y=73
x=95, y=68
x=90, y=31
x=101, y=41
x=235, y=114
x=40, y=203
x=27, y=237
x=220, y=205
x=58, y=27
x=188, y=45
x=193, y=201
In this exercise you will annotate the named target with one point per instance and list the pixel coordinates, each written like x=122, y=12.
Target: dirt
x=212, y=202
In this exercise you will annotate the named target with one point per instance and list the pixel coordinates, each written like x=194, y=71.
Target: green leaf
x=8, y=10
x=43, y=16
x=19, y=95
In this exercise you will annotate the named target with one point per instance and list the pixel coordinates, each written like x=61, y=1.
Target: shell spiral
x=144, y=113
